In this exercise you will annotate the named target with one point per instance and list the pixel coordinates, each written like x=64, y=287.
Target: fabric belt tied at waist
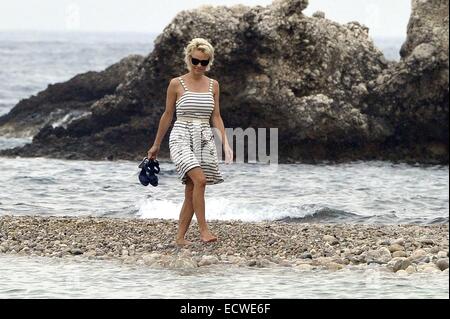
x=192, y=119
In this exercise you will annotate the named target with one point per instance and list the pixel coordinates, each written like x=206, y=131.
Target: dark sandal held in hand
x=148, y=170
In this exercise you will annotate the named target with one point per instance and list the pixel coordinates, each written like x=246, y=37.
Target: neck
x=196, y=76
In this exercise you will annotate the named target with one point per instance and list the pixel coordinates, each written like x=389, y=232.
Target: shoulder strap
x=182, y=83
x=211, y=85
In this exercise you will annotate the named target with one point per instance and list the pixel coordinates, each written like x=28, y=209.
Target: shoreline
x=403, y=249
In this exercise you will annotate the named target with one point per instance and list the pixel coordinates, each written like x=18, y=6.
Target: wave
x=335, y=216
x=225, y=209
x=323, y=215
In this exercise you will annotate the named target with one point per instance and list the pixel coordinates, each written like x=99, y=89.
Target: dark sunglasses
x=197, y=61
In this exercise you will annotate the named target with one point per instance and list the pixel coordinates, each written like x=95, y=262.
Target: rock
x=306, y=256
x=62, y=103
x=264, y=263
x=434, y=250
x=185, y=253
x=395, y=247
x=330, y=239
x=399, y=254
x=442, y=264
x=76, y=251
x=399, y=241
x=90, y=253
x=327, y=101
x=427, y=268
x=304, y=267
x=431, y=270
x=411, y=269
x=285, y=263
x=333, y=266
x=208, y=260
x=382, y=255
x=428, y=24
x=399, y=263
x=150, y=259
x=420, y=260
x=419, y=253
x=111, y=238
x=383, y=242
x=442, y=254
x=319, y=14
x=416, y=89
x=427, y=241
x=183, y=263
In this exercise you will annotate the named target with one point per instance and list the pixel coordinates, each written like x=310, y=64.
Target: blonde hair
x=202, y=45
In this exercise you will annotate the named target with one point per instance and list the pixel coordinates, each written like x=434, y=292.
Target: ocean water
x=39, y=277
x=357, y=192
x=29, y=61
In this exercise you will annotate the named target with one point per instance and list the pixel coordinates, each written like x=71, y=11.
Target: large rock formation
x=413, y=95
x=428, y=24
x=319, y=82
x=62, y=103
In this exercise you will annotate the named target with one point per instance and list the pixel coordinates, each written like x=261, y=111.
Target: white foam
x=222, y=209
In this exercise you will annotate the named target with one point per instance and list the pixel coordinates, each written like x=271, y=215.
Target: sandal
x=148, y=170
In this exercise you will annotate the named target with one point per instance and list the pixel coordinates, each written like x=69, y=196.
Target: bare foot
x=183, y=242
x=207, y=237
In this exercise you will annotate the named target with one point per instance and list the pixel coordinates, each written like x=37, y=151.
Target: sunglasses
x=197, y=61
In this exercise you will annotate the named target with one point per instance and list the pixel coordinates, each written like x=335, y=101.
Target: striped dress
x=191, y=141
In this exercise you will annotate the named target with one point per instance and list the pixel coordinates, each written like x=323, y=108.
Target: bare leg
x=187, y=211
x=198, y=178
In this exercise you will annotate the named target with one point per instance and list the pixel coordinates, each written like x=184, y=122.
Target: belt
x=192, y=119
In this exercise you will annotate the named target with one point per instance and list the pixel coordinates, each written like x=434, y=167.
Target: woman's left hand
x=228, y=154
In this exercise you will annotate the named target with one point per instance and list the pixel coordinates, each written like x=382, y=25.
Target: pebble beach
x=401, y=249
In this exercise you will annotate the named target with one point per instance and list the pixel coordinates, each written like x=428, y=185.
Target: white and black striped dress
x=191, y=141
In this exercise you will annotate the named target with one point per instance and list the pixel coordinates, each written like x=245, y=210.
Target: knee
x=200, y=182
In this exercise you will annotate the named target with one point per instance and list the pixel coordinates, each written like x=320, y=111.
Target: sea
x=366, y=192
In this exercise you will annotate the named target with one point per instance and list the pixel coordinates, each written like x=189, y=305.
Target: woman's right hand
x=153, y=152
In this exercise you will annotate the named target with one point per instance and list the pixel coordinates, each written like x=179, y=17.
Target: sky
x=383, y=17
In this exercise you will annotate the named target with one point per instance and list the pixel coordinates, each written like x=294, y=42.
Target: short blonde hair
x=202, y=45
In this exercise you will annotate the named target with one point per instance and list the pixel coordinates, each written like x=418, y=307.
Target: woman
x=195, y=98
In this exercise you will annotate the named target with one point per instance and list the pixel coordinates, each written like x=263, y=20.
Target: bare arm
x=217, y=122
x=166, y=119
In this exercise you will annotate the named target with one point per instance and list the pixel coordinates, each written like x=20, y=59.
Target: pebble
x=399, y=241
x=442, y=264
x=419, y=253
x=381, y=255
x=334, y=266
x=330, y=239
x=442, y=254
x=396, y=247
x=149, y=242
x=304, y=267
x=431, y=270
x=399, y=254
x=411, y=269
x=399, y=263
x=208, y=260
x=306, y=256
